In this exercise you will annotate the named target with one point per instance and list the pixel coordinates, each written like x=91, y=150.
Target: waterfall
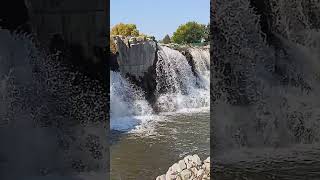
x=202, y=66
x=127, y=103
x=178, y=89
x=176, y=84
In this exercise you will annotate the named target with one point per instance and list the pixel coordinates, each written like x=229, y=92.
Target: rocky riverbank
x=188, y=168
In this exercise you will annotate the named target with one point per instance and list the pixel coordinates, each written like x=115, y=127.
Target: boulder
x=182, y=165
x=162, y=177
x=186, y=174
x=189, y=168
x=136, y=59
x=196, y=160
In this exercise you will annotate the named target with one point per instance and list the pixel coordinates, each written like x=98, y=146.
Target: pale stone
x=188, y=161
x=194, y=170
x=186, y=174
x=196, y=160
x=207, y=160
x=162, y=177
x=176, y=167
x=171, y=174
x=207, y=166
x=182, y=165
x=200, y=172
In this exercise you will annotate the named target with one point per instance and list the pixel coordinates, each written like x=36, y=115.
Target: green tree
x=166, y=39
x=191, y=32
x=125, y=30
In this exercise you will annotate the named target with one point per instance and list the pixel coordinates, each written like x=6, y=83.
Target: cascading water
x=202, y=66
x=177, y=89
x=127, y=103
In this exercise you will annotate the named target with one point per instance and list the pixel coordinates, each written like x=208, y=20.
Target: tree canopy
x=191, y=32
x=125, y=30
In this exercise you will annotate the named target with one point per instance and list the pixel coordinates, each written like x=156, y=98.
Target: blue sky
x=159, y=17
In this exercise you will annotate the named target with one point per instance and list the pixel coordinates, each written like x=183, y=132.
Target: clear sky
x=159, y=17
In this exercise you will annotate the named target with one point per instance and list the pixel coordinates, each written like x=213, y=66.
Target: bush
x=125, y=30
x=191, y=32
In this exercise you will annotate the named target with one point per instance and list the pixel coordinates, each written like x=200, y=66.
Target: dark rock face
x=114, y=66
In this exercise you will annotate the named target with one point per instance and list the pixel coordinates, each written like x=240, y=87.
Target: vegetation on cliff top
x=191, y=32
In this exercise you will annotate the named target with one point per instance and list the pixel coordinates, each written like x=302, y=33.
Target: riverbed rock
x=189, y=168
x=176, y=168
x=196, y=160
x=182, y=165
x=162, y=177
x=186, y=174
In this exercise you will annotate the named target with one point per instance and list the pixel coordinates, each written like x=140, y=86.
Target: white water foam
x=128, y=105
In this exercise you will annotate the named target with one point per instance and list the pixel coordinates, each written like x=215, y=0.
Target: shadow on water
x=115, y=136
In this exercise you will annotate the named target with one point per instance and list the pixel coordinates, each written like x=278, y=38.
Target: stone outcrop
x=135, y=56
x=189, y=168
